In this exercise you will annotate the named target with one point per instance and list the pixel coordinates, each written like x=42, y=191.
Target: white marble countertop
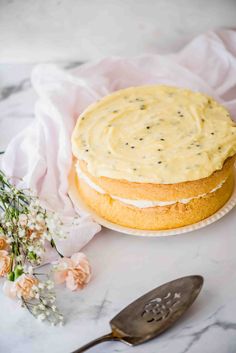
x=125, y=267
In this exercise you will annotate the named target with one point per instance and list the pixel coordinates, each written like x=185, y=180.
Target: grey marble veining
x=124, y=268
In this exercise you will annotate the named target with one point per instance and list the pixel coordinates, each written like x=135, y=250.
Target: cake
x=154, y=157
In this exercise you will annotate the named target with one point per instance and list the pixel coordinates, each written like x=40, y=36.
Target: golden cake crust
x=161, y=192
x=155, y=218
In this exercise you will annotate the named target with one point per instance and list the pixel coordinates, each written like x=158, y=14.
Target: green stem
x=54, y=246
x=12, y=261
x=27, y=306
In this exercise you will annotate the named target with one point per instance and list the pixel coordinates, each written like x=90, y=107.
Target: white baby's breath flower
x=61, y=234
x=49, y=284
x=47, y=236
x=40, y=218
x=54, y=308
x=36, y=201
x=35, y=310
x=21, y=232
x=41, y=285
x=41, y=317
x=30, y=270
x=41, y=307
x=60, y=266
x=38, y=251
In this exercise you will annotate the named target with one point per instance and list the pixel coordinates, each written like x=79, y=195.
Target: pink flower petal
x=70, y=283
x=9, y=289
x=60, y=276
x=78, y=258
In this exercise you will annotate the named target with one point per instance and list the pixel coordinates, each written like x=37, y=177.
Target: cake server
x=151, y=314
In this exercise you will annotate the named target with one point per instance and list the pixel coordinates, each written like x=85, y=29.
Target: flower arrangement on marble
x=26, y=230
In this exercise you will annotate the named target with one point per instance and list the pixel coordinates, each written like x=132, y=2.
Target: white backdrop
x=81, y=30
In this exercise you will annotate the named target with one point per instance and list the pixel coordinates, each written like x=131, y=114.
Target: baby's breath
x=42, y=306
x=27, y=227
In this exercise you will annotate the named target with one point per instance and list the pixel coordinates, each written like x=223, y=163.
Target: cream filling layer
x=139, y=203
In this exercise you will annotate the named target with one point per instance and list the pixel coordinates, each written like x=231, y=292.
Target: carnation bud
x=32, y=255
x=11, y=276
x=18, y=271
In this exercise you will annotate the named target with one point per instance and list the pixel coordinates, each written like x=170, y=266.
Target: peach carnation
x=3, y=243
x=24, y=286
x=5, y=263
x=76, y=271
x=9, y=289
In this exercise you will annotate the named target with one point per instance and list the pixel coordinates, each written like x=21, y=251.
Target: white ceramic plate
x=75, y=197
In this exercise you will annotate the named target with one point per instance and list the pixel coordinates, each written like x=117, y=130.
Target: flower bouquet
x=27, y=232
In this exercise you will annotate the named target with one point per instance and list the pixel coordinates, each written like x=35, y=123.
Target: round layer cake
x=155, y=157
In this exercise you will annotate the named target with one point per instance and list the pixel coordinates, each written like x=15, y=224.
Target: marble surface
x=35, y=30
x=125, y=267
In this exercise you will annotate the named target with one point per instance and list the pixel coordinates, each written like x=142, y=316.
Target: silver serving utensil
x=153, y=313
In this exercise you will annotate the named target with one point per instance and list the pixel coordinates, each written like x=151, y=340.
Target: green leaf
x=11, y=276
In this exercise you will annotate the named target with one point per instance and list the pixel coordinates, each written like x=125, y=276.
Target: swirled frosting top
x=154, y=134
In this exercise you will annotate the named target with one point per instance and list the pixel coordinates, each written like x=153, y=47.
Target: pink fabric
x=41, y=154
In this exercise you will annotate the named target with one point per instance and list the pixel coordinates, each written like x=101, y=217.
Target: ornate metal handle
x=108, y=337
